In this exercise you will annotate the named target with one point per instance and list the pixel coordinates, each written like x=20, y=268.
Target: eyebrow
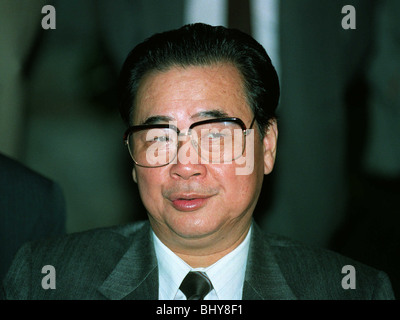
x=157, y=119
x=215, y=113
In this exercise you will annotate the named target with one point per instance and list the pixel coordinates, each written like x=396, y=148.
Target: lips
x=189, y=202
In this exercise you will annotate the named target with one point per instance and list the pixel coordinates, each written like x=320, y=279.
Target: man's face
x=197, y=204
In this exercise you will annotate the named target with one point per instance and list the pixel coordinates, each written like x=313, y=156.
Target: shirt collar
x=171, y=270
x=227, y=274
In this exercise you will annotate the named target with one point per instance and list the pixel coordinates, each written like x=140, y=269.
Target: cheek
x=247, y=189
x=238, y=190
x=149, y=184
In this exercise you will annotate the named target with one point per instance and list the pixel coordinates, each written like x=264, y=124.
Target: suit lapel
x=264, y=279
x=135, y=276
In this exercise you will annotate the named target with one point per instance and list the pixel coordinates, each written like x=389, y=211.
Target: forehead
x=181, y=92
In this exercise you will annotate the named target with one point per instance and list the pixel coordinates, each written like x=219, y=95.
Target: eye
x=164, y=138
x=160, y=138
x=216, y=135
x=157, y=135
x=213, y=135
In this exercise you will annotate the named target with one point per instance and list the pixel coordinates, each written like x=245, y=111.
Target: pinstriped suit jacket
x=120, y=263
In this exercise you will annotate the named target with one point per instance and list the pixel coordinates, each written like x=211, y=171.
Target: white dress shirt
x=226, y=275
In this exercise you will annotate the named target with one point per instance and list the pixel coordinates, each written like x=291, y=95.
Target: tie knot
x=196, y=285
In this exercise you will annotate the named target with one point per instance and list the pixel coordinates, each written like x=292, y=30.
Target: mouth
x=189, y=202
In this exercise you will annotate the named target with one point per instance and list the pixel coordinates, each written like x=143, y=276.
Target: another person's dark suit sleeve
x=31, y=207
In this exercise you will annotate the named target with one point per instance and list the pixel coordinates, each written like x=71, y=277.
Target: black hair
x=201, y=44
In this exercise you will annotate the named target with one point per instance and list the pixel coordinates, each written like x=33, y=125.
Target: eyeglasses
x=220, y=140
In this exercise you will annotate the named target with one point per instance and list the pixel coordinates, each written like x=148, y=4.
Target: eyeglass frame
x=137, y=128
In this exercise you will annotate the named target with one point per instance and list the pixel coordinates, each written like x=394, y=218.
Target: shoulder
x=28, y=193
x=100, y=241
x=284, y=247
x=309, y=258
x=17, y=173
x=315, y=272
x=81, y=261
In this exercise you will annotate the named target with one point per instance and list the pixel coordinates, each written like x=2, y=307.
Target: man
x=31, y=207
x=200, y=106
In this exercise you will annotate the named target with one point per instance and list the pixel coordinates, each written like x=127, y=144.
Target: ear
x=134, y=174
x=269, y=146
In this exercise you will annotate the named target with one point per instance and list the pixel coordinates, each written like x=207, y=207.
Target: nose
x=188, y=164
x=188, y=171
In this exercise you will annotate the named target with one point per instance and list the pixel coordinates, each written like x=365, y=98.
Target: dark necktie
x=196, y=285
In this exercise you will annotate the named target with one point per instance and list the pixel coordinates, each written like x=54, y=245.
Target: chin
x=195, y=228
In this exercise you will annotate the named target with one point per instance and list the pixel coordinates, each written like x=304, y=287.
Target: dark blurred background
x=336, y=182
